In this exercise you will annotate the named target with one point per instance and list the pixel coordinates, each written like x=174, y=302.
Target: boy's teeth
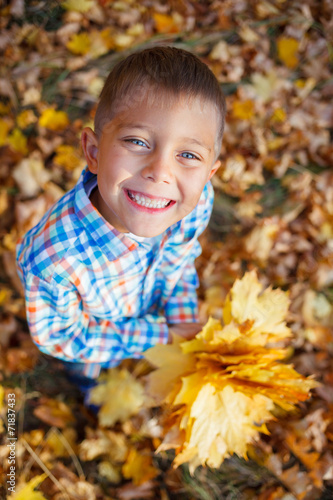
x=148, y=202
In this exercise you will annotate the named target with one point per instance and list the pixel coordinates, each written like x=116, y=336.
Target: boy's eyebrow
x=133, y=125
x=195, y=141
x=145, y=127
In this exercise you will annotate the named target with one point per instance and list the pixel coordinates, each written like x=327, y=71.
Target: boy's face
x=152, y=163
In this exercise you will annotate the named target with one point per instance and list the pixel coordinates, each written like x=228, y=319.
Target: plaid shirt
x=96, y=296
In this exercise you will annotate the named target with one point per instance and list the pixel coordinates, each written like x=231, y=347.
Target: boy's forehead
x=147, y=96
x=150, y=96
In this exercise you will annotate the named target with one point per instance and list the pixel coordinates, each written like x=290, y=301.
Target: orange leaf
x=54, y=413
x=165, y=23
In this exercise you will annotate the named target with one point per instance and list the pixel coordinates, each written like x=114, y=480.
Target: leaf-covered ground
x=273, y=213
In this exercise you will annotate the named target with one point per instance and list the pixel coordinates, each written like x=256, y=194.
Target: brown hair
x=173, y=70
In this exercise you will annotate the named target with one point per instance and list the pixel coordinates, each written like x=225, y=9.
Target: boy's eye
x=137, y=142
x=189, y=156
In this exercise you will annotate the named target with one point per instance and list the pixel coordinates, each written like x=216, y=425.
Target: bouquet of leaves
x=220, y=389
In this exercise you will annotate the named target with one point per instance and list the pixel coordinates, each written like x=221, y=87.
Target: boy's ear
x=89, y=142
x=215, y=167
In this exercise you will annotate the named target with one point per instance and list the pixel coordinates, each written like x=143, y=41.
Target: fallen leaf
x=78, y=5
x=27, y=491
x=222, y=399
x=53, y=120
x=139, y=467
x=18, y=141
x=119, y=394
x=287, y=51
x=79, y=43
x=243, y=110
x=54, y=413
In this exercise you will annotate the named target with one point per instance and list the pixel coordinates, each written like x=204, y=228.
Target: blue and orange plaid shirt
x=96, y=296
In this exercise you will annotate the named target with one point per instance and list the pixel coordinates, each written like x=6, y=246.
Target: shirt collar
x=110, y=240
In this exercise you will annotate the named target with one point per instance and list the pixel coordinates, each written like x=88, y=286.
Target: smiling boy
x=109, y=270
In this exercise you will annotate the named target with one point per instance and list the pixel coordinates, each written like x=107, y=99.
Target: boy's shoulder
x=59, y=234
x=55, y=234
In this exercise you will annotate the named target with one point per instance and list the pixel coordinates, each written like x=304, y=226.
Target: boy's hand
x=186, y=330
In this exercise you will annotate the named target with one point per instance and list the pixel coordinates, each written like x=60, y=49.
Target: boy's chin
x=147, y=233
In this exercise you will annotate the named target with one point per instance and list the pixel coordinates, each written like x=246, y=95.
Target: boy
x=109, y=270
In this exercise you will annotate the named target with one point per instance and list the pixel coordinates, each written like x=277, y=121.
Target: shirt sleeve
x=181, y=305
x=60, y=327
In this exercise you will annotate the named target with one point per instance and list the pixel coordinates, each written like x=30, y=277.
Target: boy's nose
x=158, y=169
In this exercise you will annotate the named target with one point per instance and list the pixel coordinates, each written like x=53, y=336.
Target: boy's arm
x=61, y=328
x=181, y=310
x=180, y=301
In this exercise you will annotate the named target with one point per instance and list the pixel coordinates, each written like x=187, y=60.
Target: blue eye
x=137, y=142
x=189, y=156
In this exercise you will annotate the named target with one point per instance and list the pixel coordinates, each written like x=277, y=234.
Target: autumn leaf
x=4, y=129
x=243, y=110
x=224, y=423
x=230, y=378
x=27, y=491
x=165, y=23
x=18, y=141
x=279, y=115
x=78, y=5
x=111, y=472
x=26, y=118
x=139, y=467
x=53, y=120
x=79, y=44
x=68, y=157
x=53, y=412
x=287, y=51
x=265, y=85
x=119, y=394
x=104, y=442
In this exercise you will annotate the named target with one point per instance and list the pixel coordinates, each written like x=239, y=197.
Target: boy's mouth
x=147, y=201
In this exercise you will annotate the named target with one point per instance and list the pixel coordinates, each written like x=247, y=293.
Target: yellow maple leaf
x=26, y=118
x=287, y=51
x=79, y=43
x=224, y=422
x=139, y=467
x=119, y=394
x=78, y=5
x=267, y=309
x=27, y=491
x=265, y=85
x=173, y=364
x=18, y=141
x=244, y=110
x=53, y=120
x=67, y=157
x=222, y=391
